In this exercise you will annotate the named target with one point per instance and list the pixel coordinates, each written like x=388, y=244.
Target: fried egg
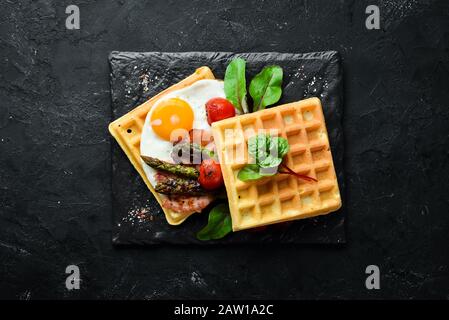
x=174, y=114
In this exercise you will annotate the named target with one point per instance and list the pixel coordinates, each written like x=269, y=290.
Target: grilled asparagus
x=176, y=169
x=172, y=185
x=190, y=153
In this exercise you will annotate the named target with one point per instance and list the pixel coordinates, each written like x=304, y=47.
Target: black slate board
x=135, y=77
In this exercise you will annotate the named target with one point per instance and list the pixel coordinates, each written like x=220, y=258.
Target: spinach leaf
x=255, y=172
x=270, y=162
x=265, y=87
x=249, y=172
x=282, y=146
x=267, y=153
x=219, y=224
x=257, y=146
x=235, y=84
x=264, y=146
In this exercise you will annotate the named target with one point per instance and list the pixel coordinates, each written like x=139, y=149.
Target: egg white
x=196, y=95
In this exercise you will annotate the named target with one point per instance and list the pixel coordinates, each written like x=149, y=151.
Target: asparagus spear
x=177, y=169
x=175, y=185
x=190, y=153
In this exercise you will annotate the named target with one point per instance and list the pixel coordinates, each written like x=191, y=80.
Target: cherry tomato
x=210, y=175
x=219, y=109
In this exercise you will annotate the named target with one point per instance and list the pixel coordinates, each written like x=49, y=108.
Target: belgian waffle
x=280, y=197
x=127, y=131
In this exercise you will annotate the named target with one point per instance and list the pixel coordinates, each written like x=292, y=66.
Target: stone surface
x=135, y=77
x=55, y=176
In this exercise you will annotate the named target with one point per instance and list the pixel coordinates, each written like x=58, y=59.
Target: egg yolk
x=170, y=115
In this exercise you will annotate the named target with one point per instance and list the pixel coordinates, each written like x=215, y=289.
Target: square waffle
x=128, y=129
x=280, y=197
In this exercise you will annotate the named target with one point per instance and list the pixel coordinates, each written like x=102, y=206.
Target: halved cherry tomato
x=218, y=109
x=210, y=175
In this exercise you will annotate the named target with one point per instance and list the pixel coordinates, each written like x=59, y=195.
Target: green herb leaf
x=270, y=162
x=282, y=146
x=263, y=146
x=249, y=172
x=265, y=87
x=219, y=224
x=235, y=84
x=257, y=146
x=267, y=153
x=252, y=146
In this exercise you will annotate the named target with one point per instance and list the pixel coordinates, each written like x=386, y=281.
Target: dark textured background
x=55, y=199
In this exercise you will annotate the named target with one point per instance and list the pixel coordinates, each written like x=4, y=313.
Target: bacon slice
x=187, y=204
